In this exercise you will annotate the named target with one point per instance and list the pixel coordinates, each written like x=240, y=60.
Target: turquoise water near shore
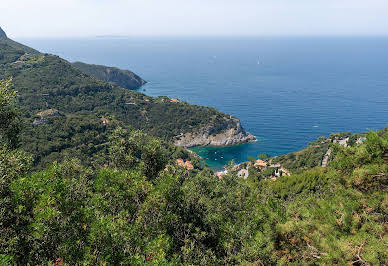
x=286, y=91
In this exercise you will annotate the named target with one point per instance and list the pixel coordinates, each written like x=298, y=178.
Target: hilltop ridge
x=2, y=33
x=123, y=78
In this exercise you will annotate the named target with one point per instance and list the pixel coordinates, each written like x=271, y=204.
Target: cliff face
x=227, y=133
x=123, y=78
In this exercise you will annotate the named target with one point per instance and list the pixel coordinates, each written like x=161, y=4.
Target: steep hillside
x=123, y=78
x=48, y=82
x=144, y=206
x=2, y=33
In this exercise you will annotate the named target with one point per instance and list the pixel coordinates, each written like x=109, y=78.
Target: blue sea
x=286, y=91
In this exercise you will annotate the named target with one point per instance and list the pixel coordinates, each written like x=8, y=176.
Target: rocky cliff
x=124, y=78
x=230, y=132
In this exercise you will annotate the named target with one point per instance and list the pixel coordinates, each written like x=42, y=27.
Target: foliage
x=125, y=214
x=304, y=159
x=9, y=122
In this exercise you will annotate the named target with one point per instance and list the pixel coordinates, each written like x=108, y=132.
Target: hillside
x=145, y=207
x=123, y=78
x=46, y=81
x=2, y=33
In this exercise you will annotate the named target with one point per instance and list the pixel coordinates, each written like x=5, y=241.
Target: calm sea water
x=286, y=91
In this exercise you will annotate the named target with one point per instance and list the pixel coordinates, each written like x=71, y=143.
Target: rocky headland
x=230, y=132
x=121, y=77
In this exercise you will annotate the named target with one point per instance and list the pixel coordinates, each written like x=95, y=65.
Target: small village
x=275, y=170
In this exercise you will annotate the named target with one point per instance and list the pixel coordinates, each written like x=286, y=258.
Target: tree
x=264, y=157
x=154, y=158
x=252, y=159
x=124, y=148
x=9, y=120
x=13, y=164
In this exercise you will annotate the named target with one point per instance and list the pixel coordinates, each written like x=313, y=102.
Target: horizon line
x=208, y=36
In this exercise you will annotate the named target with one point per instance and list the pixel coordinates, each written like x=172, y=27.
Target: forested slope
x=46, y=82
x=143, y=208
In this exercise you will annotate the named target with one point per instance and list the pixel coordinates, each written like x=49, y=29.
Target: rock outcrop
x=227, y=133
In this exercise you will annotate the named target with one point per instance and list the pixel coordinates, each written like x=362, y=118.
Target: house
x=360, y=140
x=278, y=172
x=104, y=121
x=341, y=141
x=188, y=165
x=180, y=162
x=260, y=164
x=219, y=174
x=243, y=173
x=174, y=101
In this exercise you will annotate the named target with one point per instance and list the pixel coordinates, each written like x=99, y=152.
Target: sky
x=82, y=18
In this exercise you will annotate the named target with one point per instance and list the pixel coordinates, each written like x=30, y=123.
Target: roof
x=261, y=163
x=188, y=165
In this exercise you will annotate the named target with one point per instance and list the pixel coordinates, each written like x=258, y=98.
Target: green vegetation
x=123, y=78
x=45, y=82
x=140, y=207
x=84, y=184
x=304, y=159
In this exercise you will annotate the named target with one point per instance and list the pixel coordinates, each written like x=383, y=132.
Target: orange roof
x=174, y=101
x=180, y=162
x=189, y=165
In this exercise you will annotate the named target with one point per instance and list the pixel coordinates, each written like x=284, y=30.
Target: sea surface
x=286, y=91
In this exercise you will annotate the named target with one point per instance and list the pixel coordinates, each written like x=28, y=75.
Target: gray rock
x=225, y=134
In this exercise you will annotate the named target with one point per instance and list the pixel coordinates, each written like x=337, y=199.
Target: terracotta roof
x=188, y=165
x=180, y=162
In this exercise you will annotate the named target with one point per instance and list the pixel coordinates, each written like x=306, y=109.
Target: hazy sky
x=54, y=18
